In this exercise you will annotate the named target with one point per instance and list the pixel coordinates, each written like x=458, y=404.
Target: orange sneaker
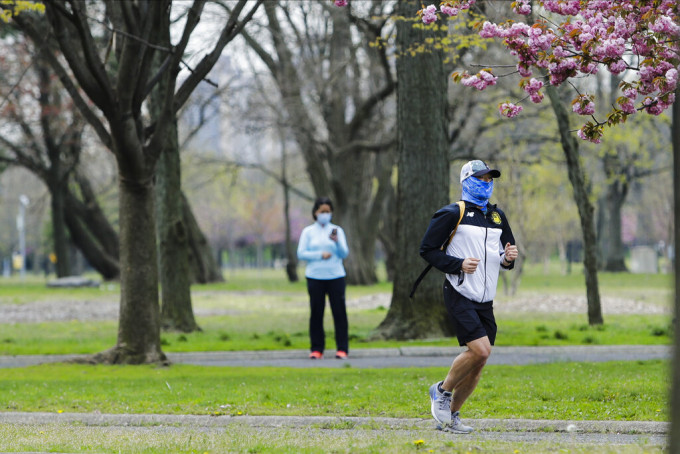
x=316, y=355
x=341, y=355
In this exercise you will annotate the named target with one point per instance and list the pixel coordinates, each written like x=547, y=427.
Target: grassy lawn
x=259, y=309
x=288, y=331
x=580, y=391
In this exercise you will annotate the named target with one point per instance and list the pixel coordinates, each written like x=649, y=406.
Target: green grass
x=580, y=391
x=289, y=331
x=263, y=311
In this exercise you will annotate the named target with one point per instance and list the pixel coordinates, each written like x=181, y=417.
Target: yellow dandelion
x=60, y=411
x=419, y=442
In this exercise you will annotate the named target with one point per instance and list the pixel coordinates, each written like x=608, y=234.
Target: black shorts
x=471, y=320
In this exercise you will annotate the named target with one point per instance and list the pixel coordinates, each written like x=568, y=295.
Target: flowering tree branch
x=574, y=39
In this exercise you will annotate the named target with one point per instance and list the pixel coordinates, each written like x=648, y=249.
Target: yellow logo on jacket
x=496, y=218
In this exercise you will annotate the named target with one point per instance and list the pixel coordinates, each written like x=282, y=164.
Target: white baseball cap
x=477, y=168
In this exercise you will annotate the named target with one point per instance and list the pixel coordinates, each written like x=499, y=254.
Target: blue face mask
x=324, y=218
x=477, y=191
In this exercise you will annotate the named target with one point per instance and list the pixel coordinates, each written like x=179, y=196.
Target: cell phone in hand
x=334, y=232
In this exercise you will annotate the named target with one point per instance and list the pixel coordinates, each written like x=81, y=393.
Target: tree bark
x=60, y=150
x=93, y=216
x=585, y=207
x=139, y=320
x=612, y=254
x=610, y=242
x=173, y=247
x=202, y=261
x=90, y=245
x=423, y=183
x=59, y=228
x=291, y=255
x=176, y=310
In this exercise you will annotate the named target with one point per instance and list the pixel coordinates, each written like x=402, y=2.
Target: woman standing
x=323, y=246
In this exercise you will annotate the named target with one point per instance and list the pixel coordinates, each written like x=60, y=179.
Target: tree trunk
x=94, y=218
x=291, y=255
x=139, y=319
x=611, y=247
x=423, y=184
x=60, y=240
x=176, y=310
x=60, y=150
x=91, y=240
x=173, y=250
x=674, y=432
x=585, y=208
x=203, y=265
x=387, y=234
x=610, y=242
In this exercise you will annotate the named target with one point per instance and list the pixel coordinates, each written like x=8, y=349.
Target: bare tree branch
x=229, y=32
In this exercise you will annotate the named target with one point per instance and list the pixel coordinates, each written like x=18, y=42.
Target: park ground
x=274, y=402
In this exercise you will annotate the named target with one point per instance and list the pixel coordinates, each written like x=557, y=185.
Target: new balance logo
x=471, y=214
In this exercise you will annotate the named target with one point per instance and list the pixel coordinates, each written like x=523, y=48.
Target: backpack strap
x=461, y=207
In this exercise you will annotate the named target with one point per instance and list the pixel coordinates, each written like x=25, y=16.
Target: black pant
x=335, y=289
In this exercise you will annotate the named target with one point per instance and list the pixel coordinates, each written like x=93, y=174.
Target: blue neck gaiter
x=477, y=191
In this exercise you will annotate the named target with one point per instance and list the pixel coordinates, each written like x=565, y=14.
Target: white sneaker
x=441, y=405
x=456, y=426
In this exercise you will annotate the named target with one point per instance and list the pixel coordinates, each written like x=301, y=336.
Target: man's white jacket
x=479, y=235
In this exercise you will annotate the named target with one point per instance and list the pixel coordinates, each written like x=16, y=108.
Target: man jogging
x=482, y=244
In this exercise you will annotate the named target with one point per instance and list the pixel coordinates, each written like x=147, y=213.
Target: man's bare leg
x=466, y=371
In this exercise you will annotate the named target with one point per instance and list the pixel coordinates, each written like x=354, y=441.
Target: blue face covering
x=477, y=191
x=323, y=218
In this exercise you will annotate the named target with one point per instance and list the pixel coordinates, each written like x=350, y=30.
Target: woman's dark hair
x=321, y=201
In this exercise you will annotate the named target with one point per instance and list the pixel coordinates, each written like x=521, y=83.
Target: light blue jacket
x=314, y=240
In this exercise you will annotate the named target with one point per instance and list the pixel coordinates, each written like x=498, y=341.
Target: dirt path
x=66, y=310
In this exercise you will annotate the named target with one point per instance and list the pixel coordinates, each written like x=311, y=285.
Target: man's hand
x=470, y=265
x=511, y=253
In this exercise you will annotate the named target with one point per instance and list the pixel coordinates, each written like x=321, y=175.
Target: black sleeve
x=506, y=237
x=442, y=224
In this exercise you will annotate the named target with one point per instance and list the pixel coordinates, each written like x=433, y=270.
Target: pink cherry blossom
x=480, y=81
x=508, y=109
x=430, y=14
x=532, y=87
x=449, y=10
x=618, y=66
x=584, y=105
x=627, y=106
x=624, y=36
x=523, y=7
x=341, y=3
x=672, y=79
x=630, y=93
x=586, y=133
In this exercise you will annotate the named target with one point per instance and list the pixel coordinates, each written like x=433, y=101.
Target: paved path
x=388, y=357
x=609, y=433
x=503, y=425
